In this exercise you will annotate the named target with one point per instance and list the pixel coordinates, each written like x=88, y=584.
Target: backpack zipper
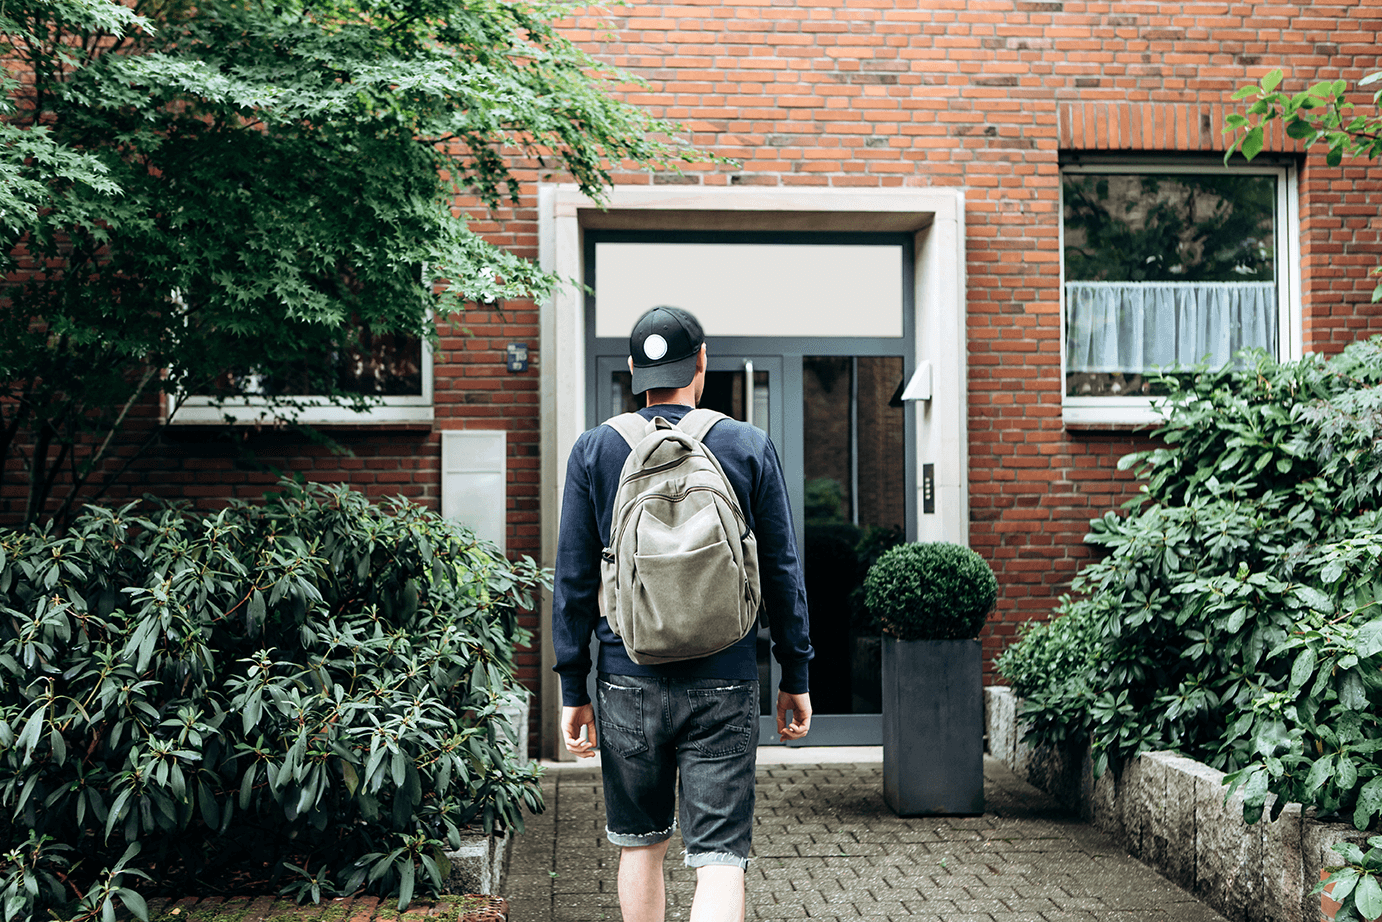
x=665, y=466
x=674, y=497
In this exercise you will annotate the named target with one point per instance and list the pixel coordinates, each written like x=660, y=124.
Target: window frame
x=1138, y=412
x=197, y=410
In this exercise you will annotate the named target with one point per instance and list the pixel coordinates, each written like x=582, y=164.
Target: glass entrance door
x=841, y=436
x=854, y=470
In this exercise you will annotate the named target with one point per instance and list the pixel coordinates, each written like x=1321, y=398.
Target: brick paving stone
x=826, y=847
x=1021, y=905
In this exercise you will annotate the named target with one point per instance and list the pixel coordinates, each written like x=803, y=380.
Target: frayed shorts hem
x=706, y=859
x=624, y=840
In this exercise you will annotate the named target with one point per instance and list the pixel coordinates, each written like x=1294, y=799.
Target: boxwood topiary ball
x=933, y=591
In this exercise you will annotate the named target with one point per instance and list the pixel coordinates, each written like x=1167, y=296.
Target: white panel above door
x=752, y=289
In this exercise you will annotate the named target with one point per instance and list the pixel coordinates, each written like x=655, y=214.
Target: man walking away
x=671, y=727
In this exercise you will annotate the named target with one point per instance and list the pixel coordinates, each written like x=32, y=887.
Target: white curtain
x=1134, y=327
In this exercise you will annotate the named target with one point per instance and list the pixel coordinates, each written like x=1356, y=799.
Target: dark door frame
x=605, y=355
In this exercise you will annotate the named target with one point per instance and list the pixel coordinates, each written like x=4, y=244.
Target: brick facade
x=988, y=96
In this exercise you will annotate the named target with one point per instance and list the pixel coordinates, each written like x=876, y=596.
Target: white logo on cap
x=655, y=347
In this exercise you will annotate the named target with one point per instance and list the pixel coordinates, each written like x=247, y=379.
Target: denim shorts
x=689, y=740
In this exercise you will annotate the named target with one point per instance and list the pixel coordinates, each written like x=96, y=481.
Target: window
x=1169, y=266
x=394, y=370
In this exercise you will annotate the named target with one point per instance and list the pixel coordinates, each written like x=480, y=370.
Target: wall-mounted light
x=919, y=387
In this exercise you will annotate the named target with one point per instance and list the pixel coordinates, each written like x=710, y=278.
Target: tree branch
x=36, y=463
x=7, y=436
x=94, y=461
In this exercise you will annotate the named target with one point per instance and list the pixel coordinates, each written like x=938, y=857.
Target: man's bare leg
x=719, y=894
x=642, y=897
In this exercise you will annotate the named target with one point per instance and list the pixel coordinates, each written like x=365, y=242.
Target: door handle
x=748, y=391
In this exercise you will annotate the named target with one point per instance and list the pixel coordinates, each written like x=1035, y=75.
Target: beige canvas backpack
x=680, y=575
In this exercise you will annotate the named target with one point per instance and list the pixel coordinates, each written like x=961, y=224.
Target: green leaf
x=348, y=775
x=1252, y=143
x=1345, y=774
x=247, y=787
x=1272, y=80
x=1352, y=694
x=1236, y=619
x=134, y=903
x=33, y=730
x=1302, y=669
x=256, y=611
x=1320, y=772
x=1317, y=600
x=1368, y=641
x=406, y=883
x=1322, y=90
x=1254, y=796
x=1344, y=880
x=1350, y=852
x=1369, y=803
x=1367, y=896
x=1300, y=129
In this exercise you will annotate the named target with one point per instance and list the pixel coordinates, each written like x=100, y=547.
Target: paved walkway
x=826, y=847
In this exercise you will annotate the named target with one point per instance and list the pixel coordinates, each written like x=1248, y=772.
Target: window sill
x=412, y=414
x=1110, y=415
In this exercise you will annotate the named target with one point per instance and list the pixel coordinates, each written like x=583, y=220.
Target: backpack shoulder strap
x=629, y=425
x=699, y=422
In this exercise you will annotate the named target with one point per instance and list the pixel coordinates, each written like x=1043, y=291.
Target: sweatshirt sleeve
x=577, y=581
x=783, y=581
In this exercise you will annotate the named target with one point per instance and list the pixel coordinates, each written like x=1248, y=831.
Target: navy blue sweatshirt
x=592, y=476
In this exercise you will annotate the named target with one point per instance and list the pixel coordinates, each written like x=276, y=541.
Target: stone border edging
x=1170, y=812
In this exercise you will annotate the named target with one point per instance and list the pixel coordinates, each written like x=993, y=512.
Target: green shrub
x=1235, y=616
x=933, y=591
x=1049, y=668
x=313, y=683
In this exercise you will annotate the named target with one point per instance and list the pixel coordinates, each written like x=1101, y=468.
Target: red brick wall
x=989, y=96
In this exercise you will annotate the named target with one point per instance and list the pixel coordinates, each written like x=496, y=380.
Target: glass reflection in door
x=853, y=437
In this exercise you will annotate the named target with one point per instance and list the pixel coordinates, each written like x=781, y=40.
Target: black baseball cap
x=664, y=345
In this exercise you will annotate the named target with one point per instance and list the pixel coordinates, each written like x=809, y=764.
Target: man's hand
x=573, y=720
x=800, y=708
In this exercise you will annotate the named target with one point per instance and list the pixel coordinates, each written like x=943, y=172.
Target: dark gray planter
x=933, y=727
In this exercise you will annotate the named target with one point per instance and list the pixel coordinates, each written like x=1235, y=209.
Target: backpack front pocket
x=680, y=601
